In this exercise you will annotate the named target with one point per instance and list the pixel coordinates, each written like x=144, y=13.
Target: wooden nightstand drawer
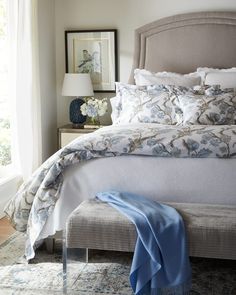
x=67, y=138
x=67, y=133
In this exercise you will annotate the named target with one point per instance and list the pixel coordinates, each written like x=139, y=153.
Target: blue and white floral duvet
x=36, y=199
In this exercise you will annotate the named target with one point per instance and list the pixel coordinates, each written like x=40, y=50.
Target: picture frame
x=94, y=52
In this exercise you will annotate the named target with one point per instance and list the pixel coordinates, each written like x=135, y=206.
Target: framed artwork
x=93, y=52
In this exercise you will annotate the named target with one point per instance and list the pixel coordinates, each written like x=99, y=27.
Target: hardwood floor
x=6, y=230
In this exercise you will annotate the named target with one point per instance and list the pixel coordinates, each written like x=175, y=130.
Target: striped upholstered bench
x=211, y=230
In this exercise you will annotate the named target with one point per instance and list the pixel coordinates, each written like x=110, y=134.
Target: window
x=19, y=89
x=5, y=130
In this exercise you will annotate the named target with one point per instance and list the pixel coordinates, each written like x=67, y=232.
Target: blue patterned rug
x=106, y=274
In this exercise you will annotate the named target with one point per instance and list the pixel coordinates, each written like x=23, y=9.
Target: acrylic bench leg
x=72, y=258
x=64, y=262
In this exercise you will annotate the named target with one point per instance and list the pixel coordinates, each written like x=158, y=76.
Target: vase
x=95, y=121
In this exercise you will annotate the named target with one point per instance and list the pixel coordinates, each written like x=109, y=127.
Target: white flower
x=83, y=109
x=94, y=107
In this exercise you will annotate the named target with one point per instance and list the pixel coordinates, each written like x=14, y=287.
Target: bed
x=178, y=44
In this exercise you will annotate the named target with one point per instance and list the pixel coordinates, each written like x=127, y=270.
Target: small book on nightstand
x=90, y=126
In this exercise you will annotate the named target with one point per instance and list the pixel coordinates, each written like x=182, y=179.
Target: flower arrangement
x=94, y=108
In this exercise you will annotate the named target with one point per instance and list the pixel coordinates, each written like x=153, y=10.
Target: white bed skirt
x=184, y=180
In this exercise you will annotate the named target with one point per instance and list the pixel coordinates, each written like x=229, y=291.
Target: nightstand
x=67, y=133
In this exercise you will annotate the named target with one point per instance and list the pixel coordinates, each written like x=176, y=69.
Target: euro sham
x=143, y=77
x=214, y=107
x=226, y=78
x=149, y=104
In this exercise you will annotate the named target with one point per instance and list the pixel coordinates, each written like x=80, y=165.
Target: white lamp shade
x=77, y=85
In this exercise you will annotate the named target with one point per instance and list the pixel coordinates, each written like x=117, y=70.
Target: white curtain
x=25, y=89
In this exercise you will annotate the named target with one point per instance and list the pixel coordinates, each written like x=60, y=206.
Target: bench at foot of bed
x=211, y=229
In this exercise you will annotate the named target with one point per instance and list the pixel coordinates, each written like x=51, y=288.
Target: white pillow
x=205, y=70
x=143, y=77
x=149, y=104
x=226, y=78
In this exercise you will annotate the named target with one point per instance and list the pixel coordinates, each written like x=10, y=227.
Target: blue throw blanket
x=160, y=263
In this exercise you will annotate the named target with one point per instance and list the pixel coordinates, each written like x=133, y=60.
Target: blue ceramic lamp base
x=76, y=117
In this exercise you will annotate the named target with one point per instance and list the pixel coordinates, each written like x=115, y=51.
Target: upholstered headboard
x=182, y=43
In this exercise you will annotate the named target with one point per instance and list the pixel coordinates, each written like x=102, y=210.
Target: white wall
x=124, y=15
x=47, y=61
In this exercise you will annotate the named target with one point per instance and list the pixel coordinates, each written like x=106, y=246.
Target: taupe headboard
x=182, y=43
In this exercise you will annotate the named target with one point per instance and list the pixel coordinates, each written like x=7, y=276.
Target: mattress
x=181, y=180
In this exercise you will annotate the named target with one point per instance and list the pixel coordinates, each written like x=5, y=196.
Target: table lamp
x=78, y=85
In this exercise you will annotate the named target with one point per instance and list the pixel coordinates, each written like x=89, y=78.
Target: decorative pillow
x=226, y=78
x=149, y=104
x=144, y=77
x=215, y=107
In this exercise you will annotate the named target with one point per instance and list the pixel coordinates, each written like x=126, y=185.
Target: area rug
x=106, y=274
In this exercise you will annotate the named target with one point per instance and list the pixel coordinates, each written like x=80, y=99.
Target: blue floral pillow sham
x=212, y=107
x=148, y=104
